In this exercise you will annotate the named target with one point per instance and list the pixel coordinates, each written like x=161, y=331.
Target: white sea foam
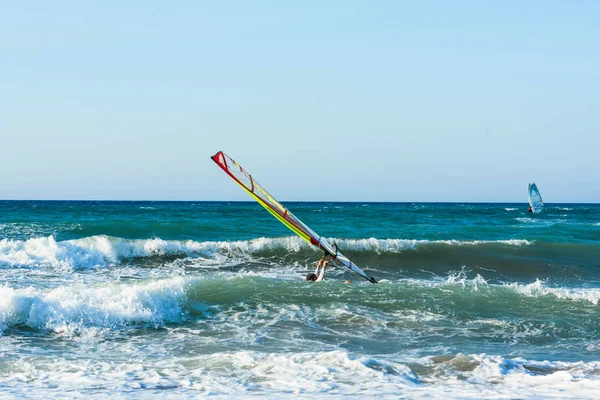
x=529, y=220
x=533, y=221
x=71, y=309
x=251, y=374
x=538, y=289
x=103, y=250
x=176, y=366
x=461, y=279
x=499, y=377
x=399, y=245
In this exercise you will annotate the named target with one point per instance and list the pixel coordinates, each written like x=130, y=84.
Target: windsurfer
x=530, y=209
x=319, y=273
x=238, y=174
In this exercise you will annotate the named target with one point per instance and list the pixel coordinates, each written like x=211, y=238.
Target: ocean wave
x=539, y=289
x=399, y=245
x=535, y=289
x=337, y=373
x=29, y=230
x=104, y=250
x=71, y=309
x=156, y=302
x=500, y=377
x=86, y=253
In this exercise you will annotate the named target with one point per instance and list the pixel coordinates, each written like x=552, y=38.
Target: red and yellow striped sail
x=245, y=180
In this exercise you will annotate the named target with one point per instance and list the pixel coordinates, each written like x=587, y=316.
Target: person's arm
x=322, y=274
x=319, y=264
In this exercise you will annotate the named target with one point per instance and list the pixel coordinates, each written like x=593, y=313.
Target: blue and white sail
x=535, y=198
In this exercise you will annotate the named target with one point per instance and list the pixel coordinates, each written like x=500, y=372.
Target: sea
x=140, y=299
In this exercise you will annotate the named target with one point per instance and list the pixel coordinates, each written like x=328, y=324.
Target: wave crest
x=400, y=245
x=101, y=250
x=73, y=308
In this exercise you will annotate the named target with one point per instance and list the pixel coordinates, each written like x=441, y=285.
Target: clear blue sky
x=334, y=100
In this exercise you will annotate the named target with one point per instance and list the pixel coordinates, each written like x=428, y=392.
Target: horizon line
x=291, y=201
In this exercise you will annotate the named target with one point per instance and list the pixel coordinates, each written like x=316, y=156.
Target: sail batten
x=287, y=218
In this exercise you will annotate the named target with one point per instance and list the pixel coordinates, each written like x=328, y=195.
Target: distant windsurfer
x=319, y=273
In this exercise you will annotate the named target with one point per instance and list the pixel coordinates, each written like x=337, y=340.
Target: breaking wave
x=248, y=374
x=72, y=309
x=101, y=250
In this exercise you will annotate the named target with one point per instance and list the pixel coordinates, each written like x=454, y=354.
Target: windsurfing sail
x=535, y=198
x=254, y=189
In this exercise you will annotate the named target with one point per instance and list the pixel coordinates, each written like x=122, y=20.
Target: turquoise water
x=195, y=298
